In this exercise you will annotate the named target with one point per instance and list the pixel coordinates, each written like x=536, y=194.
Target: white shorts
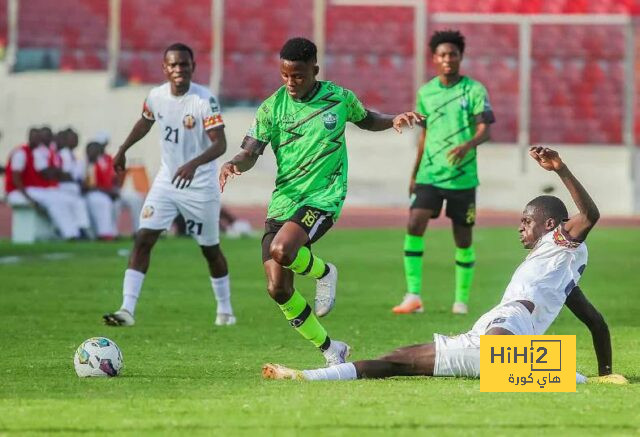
x=201, y=212
x=460, y=355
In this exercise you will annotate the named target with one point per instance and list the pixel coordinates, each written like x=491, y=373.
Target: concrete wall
x=379, y=162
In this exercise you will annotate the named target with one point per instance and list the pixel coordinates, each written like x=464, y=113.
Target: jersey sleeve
x=18, y=160
x=481, y=106
x=211, y=115
x=562, y=238
x=421, y=107
x=41, y=156
x=261, y=131
x=355, y=109
x=147, y=111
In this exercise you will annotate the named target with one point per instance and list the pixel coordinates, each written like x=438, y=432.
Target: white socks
x=344, y=371
x=131, y=287
x=222, y=292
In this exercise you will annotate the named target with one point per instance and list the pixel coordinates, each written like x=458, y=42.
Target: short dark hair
x=550, y=207
x=443, y=36
x=299, y=49
x=179, y=47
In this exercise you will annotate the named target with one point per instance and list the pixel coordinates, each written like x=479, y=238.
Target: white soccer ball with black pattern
x=98, y=356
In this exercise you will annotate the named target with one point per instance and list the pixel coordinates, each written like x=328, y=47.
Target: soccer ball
x=98, y=356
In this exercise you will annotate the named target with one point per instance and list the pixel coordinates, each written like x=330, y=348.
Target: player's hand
x=184, y=175
x=406, y=119
x=455, y=155
x=228, y=170
x=547, y=158
x=614, y=378
x=119, y=161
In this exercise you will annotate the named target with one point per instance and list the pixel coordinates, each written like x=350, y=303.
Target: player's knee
x=278, y=293
x=417, y=224
x=280, y=253
x=462, y=236
x=144, y=240
x=212, y=253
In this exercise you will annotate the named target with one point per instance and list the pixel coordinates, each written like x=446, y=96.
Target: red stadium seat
x=70, y=26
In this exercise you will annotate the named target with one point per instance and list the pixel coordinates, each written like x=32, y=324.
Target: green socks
x=299, y=314
x=413, y=250
x=306, y=263
x=465, y=260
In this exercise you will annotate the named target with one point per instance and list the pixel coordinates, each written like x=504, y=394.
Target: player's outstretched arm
x=375, y=121
x=580, y=306
x=240, y=163
x=139, y=130
x=579, y=225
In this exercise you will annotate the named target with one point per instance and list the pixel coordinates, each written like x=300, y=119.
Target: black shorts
x=314, y=221
x=461, y=204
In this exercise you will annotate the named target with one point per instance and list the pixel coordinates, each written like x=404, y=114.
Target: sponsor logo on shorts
x=528, y=363
x=147, y=211
x=310, y=218
x=330, y=120
x=470, y=216
x=189, y=121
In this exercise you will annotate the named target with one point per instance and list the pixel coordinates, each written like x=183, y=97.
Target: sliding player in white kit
x=545, y=281
x=192, y=137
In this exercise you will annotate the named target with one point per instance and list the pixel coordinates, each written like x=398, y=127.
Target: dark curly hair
x=443, y=36
x=299, y=49
x=551, y=207
x=179, y=47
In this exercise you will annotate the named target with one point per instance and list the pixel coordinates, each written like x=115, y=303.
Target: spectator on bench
x=101, y=191
x=29, y=182
x=128, y=198
x=70, y=177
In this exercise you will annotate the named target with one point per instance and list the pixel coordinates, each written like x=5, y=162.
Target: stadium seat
x=80, y=29
x=28, y=226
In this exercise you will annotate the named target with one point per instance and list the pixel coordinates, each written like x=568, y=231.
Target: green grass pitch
x=183, y=375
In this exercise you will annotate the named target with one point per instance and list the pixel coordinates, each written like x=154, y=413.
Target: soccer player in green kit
x=305, y=122
x=458, y=115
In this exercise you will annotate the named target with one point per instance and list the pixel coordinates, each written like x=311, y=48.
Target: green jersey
x=307, y=138
x=452, y=115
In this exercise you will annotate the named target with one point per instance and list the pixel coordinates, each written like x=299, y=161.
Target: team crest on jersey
x=464, y=103
x=330, y=120
x=147, y=211
x=189, y=121
x=287, y=119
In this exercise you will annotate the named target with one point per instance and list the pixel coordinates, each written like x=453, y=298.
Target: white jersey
x=546, y=277
x=183, y=122
x=70, y=164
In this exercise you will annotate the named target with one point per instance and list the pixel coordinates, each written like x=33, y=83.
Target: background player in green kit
x=305, y=121
x=458, y=115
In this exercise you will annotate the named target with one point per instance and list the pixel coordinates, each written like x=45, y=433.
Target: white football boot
x=225, y=319
x=326, y=291
x=459, y=308
x=121, y=317
x=337, y=353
